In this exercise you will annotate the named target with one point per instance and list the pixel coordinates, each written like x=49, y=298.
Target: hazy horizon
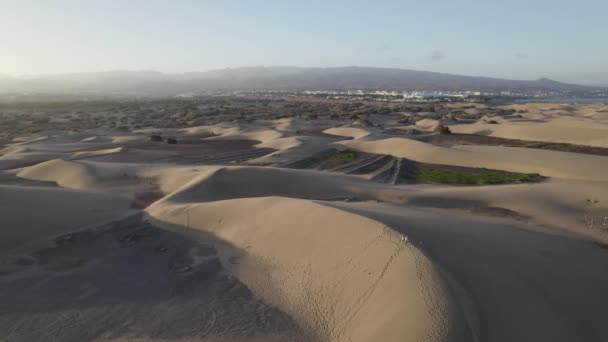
x=26, y=76
x=43, y=75
x=515, y=40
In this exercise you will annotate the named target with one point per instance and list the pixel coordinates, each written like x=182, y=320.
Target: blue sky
x=563, y=40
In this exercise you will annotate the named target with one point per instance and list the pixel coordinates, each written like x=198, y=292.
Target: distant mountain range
x=152, y=83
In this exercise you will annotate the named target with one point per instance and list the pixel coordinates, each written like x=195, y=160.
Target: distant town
x=411, y=96
x=342, y=83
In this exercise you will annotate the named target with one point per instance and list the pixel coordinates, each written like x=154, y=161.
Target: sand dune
x=571, y=133
x=86, y=175
x=97, y=152
x=96, y=139
x=427, y=124
x=522, y=286
x=334, y=272
x=582, y=127
x=146, y=241
x=291, y=148
x=559, y=204
x=67, y=174
x=220, y=183
x=352, y=132
x=547, y=163
x=21, y=159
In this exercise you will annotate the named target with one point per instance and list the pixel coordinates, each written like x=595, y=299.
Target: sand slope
x=241, y=182
x=582, y=125
x=334, y=272
x=352, y=132
x=318, y=288
x=557, y=206
x=25, y=158
x=35, y=213
x=522, y=285
x=66, y=174
x=343, y=276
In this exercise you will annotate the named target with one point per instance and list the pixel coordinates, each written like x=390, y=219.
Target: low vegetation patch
x=431, y=175
x=345, y=156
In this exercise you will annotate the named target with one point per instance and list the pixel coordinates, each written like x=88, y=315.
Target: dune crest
x=352, y=132
x=97, y=152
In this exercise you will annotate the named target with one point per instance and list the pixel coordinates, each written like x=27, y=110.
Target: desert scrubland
x=270, y=219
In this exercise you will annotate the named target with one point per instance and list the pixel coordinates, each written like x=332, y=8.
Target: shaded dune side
x=548, y=163
x=31, y=214
x=221, y=183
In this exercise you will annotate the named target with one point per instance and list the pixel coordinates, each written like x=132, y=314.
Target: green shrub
x=345, y=156
x=484, y=177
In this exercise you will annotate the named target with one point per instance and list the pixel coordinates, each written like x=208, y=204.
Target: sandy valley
x=279, y=220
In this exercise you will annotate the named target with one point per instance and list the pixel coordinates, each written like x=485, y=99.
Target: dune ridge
x=331, y=277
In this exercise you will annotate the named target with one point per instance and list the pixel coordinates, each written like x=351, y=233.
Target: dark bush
x=156, y=137
x=429, y=108
x=171, y=141
x=441, y=129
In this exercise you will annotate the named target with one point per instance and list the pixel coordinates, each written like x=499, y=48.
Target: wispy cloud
x=436, y=56
x=384, y=48
x=520, y=55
